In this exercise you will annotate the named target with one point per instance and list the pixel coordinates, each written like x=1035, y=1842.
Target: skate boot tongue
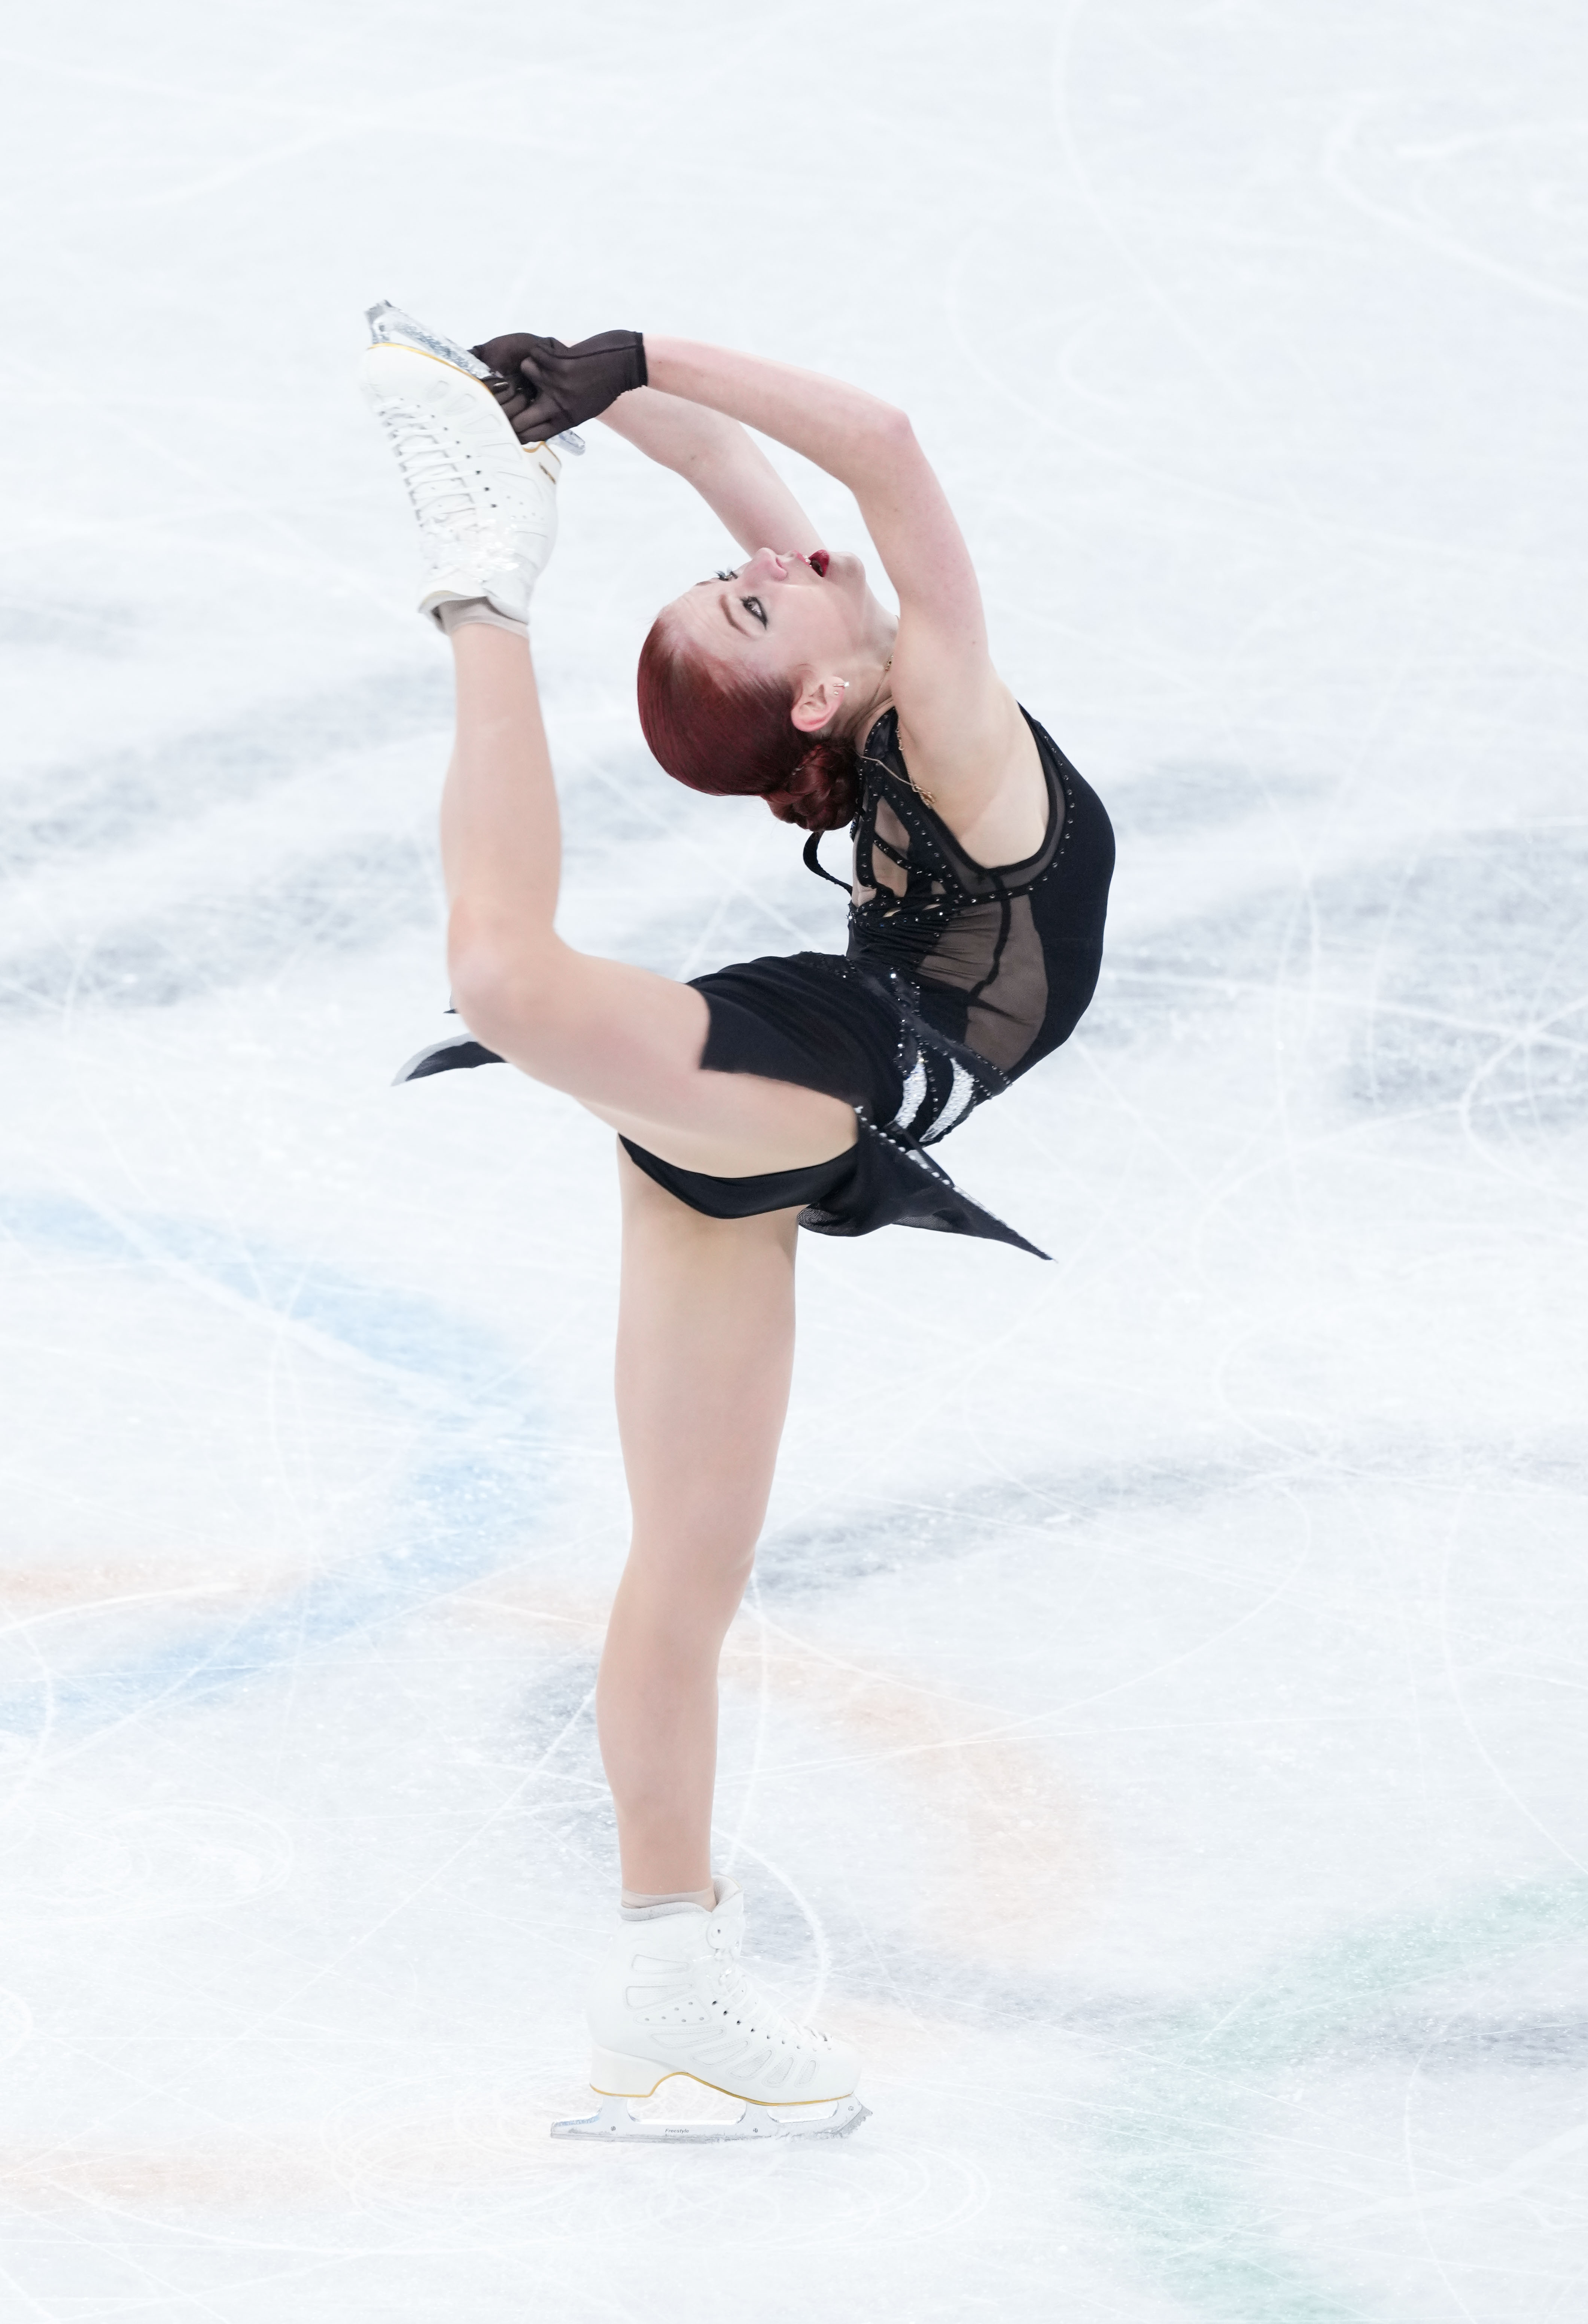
x=726, y=1927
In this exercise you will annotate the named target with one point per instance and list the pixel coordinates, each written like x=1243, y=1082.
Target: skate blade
x=390, y=326
x=444, y=1056
x=616, y=2123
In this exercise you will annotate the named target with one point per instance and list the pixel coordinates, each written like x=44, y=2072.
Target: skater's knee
x=699, y=1586
x=689, y=1586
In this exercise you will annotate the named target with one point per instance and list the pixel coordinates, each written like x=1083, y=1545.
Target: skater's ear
x=818, y=703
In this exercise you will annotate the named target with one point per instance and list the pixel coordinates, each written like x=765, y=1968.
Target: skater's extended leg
x=501, y=834
x=705, y=1347
x=625, y=1042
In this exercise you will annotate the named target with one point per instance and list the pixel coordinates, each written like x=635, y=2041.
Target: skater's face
x=777, y=617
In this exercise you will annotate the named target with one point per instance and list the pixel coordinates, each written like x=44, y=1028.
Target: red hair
x=734, y=736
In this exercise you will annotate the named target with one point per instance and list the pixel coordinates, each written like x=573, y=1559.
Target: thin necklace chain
x=926, y=797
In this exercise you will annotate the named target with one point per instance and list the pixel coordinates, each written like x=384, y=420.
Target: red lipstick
x=818, y=562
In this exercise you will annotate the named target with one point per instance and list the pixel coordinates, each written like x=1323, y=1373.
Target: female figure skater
x=766, y=1095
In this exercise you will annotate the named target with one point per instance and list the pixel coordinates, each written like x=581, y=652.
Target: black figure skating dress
x=956, y=981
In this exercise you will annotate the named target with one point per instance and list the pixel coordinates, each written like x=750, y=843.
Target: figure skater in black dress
x=764, y=1096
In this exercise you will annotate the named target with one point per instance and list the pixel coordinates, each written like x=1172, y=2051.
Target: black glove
x=552, y=387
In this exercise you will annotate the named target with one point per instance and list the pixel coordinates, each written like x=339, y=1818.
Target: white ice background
x=1159, y=1730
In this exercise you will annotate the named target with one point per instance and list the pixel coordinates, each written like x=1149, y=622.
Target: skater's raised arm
x=959, y=725
x=605, y=379
x=866, y=444
x=727, y=466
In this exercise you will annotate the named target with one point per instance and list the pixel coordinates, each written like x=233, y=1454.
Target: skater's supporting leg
x=705, y=1347
x=626, y=1042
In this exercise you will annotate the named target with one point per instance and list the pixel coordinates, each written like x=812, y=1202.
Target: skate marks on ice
x=102, y=631
x=485, y=2174
x=1170, y=2120
x=346, y=901
x=1177, y=798
x=1189, y=1560
x=1456, y=982
x=1173, y=2123
x=1194, y=2131
x=898, y=1535
x=114, y=898
x=979, y=1789
x=1506, y=201
x=202, y=1632
x=113, y=858
x=1207, y=2114
x=473, y=1484
x=1481, y=998
x=96, y=805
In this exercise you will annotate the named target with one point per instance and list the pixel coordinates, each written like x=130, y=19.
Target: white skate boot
x=669, y=1999
x=486, y=504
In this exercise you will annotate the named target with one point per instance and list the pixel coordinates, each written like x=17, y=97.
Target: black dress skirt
x=956, y=981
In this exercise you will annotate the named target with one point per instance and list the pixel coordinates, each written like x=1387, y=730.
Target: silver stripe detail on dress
x=915, y=1091
x=960, y=1098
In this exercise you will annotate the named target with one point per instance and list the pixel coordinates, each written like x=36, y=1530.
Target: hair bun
x=733, y=735
x=823, y=792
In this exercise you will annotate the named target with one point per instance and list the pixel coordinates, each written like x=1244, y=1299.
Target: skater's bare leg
x=705, y=1347
x=626, y=1042
x=501, y=834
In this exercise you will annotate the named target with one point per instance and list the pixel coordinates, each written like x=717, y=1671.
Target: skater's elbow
x=884, y=437
x=501, y=981
x=885, y=456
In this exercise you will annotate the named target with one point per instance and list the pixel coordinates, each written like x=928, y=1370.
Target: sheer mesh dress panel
x=957, y=979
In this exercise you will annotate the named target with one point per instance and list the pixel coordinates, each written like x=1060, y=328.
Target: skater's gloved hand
x=556, y=387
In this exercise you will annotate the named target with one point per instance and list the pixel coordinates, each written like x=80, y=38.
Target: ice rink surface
x=1158, y=1732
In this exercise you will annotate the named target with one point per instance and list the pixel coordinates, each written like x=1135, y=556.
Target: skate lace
x=736, y=1991
x=437, y=485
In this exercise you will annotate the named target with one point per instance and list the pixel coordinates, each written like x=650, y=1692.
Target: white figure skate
x=670, y=1999
x=486, y=504
x=390, y=323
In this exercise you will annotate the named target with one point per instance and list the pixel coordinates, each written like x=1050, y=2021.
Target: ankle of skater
x=456, y=614
x=644, y=1905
